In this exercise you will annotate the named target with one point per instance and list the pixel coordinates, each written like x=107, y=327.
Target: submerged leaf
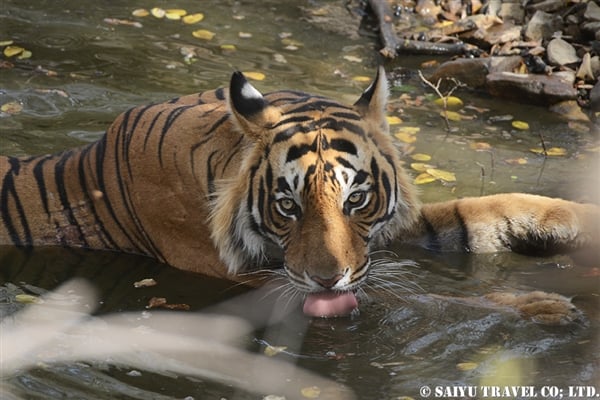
x=405, y=137
x=361, y=78
x=271, y=351
x=420, y=157
x=393, y=120
x=521, y=125
x=451, y=115
x=193, y=18
x=423, y=178
x=203, y=34
x=11, y=107
x=11, y=51
x=552, y=151
x=442, y=175
x=451, y=101
x=158, y=12
x=466, y=366
x=311, y=392
x=140, y=12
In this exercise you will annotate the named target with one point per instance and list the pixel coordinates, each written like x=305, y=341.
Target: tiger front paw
x=540, y=307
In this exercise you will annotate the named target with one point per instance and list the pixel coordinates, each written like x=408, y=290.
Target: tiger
x=219, y=182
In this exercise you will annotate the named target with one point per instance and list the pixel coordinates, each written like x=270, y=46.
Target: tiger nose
x=327, y=283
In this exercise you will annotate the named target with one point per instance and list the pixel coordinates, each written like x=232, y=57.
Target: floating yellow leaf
x=193, y=18
x=158, y=12
x=420, y=157
x=361, y=78
x=466, y=366
x=11, y=107
x=451, y=115
x=442, y=175
x=451, y=101
x=6, y=43
x=423, y=178
x=393, y=120
x=24, y=54
x=521, y=125
x=257, y=76
x=203, y=34
x=176, y=11
x=27, y=299
x=228, y=47
x=406, y=137
x=311, y=392
x=410, y=130
x=140, y=12
x=552, y=151
x=421, y=167
x=516, y=161
x=172, y=16
x=11, y=51
x=274, y=350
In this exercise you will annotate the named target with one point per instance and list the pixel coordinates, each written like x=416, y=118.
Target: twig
x=436, y=88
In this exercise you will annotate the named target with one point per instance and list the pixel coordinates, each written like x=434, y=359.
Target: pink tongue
x=330, y=304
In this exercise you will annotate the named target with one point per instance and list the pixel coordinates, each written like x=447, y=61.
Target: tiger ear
x=373, y=102
x=249, y=108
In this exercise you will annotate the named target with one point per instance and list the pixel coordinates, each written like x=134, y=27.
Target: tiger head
x=318, y=179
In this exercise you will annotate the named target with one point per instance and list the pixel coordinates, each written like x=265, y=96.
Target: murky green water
x=401, y=340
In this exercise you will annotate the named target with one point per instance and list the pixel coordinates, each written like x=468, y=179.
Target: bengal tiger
x=213, y=182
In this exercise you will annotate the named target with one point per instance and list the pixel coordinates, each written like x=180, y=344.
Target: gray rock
x=529, y=88
x=470, y=71
x=548, y=5
x=542, y=25
x=561, y=52
x=592, y=12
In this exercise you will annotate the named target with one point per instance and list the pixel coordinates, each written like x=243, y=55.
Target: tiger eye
x=287, y=204
x=356, y=197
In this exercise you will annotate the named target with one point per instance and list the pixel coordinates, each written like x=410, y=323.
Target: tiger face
x=318, y=179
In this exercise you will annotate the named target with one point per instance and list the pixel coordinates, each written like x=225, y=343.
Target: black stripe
x=38, y=174
x=151, y=128
x=59, y=179
x=317, y=103
x=343, y=145
x=295, y=152
x=465, y=243
x=340, y=125
x=129, y=135
x=291, y=131
x=433, y=239
x=166, y=128
x=347, y=115
x=8, y=188
x=84, y=156
x=295, y=119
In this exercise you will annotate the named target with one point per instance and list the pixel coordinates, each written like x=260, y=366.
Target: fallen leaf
x=521, y=125
x=361, y=78
x=451, y=101
x=480, y=146
x=140, y=12
x=12, y=107
x=6, y=43
x=405, y=137
x=311, y=392
x=451, y=115
x=393, y=120
x=410, y=130
x=421, y=167
x=420, y=157
x=423, y=178
x=27, y=299
x=516, y=161
x=271, y=351
x=158, y=12
x=441, y=174
x=11, y=51
x=203, y=34
x=144, y=283
x=193, y=18
x=466, y=366
x=228, y=47
x=552, y=151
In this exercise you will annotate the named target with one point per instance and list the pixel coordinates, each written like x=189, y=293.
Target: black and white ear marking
x=244, y=97
x=373, y=101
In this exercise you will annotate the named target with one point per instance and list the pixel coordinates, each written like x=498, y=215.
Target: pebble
x=542, y=26
x=561, y=52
